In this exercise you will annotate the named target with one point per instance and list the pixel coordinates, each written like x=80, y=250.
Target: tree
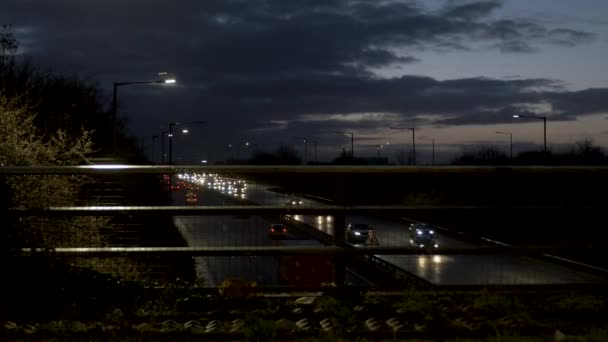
x=67, y=103
x=284, y=155
x=482, y=155
x=23, y=145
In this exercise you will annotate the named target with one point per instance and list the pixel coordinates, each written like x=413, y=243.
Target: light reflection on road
x=453, y=269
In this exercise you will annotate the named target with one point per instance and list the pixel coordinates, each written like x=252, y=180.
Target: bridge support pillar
x=339, y=261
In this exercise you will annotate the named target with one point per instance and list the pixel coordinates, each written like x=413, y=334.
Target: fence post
x=339, y=262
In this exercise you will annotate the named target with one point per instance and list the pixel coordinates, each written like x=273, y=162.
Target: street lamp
x=352, y=143
x=413, y=140
x=114, y=103
x=229, y=146
x=378, y=148
x=170, y=135
x=540, y=117
x=163, y=134
x=433, y=148
x=510, y=142
x=305, y=139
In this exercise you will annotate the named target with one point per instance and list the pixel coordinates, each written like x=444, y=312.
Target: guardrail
x=337, y=247
x=284, y=169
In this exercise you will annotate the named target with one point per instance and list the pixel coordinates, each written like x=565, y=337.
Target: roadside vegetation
x=50, y=119
x=187, y=312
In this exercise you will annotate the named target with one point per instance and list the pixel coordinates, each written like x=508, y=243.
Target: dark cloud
x=472, y=10
x=516, y=46
x=243, y=64
x=568, y=37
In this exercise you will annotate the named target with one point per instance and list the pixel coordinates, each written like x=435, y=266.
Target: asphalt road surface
x=441, y=270
x=235, y=231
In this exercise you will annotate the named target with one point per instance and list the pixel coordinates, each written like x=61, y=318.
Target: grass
x=498, y=316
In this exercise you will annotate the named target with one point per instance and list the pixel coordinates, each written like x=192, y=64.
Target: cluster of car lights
x=233, y=187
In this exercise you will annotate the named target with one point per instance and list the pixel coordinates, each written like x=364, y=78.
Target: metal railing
x=336, y=246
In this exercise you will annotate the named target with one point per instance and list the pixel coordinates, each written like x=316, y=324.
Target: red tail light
x=272, y=230
x=284, y=230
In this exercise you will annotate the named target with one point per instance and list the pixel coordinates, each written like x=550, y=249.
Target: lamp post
x=540, y=117
x=432, y=148
x=352, y=143
x=413, y=140
x=185, y=131
x=378, y=148
x=114, y=103
x=228, y=147
x=510, y=143
x=305, y=139
x=163, y=134
x=154, y=137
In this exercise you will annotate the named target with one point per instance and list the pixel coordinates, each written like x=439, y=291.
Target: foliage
x=482, y=155
x=237, y=288
x=8, y=45
x=342, y=315
x=580, y=153
x=69, y=103
x=260, y=330
x=495, y=305
x=23, y=145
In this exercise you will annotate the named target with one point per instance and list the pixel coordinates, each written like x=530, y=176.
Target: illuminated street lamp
x=114, y=103
x=185, y=131
x=510, y=142
x=378, y=148
x=305, y=139
x=540, y=117
x=228, y=147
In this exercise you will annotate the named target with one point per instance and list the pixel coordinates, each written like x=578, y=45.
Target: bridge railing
x=333, y=245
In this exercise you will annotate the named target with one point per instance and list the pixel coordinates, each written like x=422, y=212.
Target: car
x=277, y=230
x=191, y=198
x=422, y=235
x=294, y=201
x=361, y=233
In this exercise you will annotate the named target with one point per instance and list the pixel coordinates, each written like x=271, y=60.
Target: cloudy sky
x=270, y=71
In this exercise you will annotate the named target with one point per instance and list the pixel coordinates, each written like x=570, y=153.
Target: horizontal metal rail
x=289, y=250
x=246, y=210
x=287, y=169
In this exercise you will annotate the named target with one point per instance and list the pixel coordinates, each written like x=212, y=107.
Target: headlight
x=300, y=202
x=293, y=202
x=421, y=246
x=357, y=233
x=431, y=232
x=436, y=245
x=419, y=232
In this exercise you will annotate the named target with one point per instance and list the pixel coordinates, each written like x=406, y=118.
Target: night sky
x=269, y=71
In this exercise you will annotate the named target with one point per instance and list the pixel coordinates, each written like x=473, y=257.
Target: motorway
x=202, y=231
x=437, y=269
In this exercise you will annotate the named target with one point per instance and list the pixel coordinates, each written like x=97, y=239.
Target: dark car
x=294, y=201
x=361, y=233
x=422, y=235
x=277, y=230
